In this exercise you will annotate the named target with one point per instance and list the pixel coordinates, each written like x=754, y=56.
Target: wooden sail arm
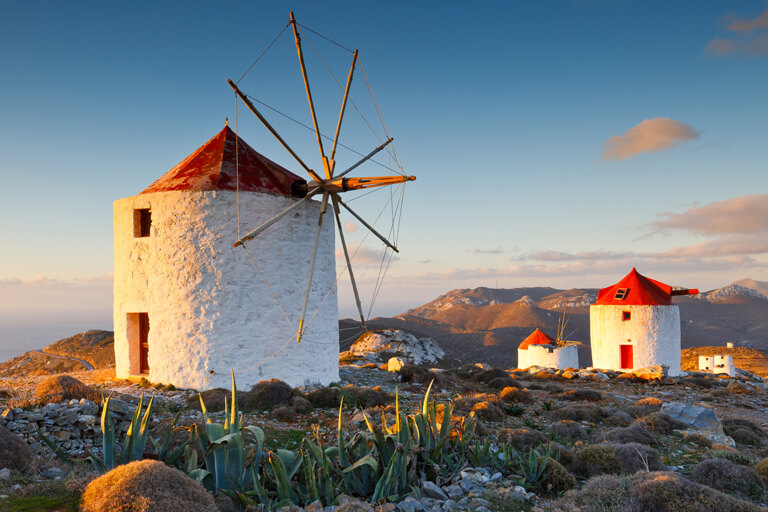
x=344, y=184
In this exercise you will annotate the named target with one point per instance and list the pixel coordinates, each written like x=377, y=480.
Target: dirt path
x=88, y=366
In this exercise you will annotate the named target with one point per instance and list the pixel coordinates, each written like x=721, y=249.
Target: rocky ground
x=597, y=425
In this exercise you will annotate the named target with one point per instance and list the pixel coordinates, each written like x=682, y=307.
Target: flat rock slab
x=694, y=416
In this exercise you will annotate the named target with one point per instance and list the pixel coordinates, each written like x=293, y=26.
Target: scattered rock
x=694, y=416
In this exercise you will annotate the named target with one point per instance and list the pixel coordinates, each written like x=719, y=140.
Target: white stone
x=411, y=348
x=653, y=331
x=395, y=364
x=209, y=311
x=548, y=356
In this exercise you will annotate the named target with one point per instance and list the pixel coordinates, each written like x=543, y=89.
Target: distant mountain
x=487, y=324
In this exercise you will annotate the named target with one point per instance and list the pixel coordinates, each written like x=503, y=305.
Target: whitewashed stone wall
x=548, y=357
x=653, y=332
x=209, y=311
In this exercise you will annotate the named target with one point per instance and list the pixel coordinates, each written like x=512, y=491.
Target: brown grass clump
x=213, y=398
x=585, y=395
x=283, y=413
x=60, y=388
x=325, y=398
x=620, y=459
x=662, y=423
x=556, y=479
x=578, y=412
x=488, y=410
x=266, y=395
x=363, y=397
x=698, y=439
x=516, y=395
x=569, y=430
x=651, y=400
x=301, y=405
x=744, y=431
x=146, y=486
x=649, y=492
x=761, y=468
x=521, y=439
x=724, y=475
x=14, y=452
x=635, y=433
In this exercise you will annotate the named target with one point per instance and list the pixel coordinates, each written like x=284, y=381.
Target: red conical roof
x=637, y=290
x=216, y=165
x=537, y=337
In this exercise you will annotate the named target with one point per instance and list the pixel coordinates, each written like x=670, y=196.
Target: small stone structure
x=380, y=346
x=634, y=324
x=717, y=364
x=540, y=349
x=189, y=307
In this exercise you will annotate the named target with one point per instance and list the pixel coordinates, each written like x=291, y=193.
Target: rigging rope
x=263, y=53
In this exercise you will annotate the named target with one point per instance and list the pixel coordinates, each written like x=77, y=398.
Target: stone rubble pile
x=75, y=426
x=379, y=347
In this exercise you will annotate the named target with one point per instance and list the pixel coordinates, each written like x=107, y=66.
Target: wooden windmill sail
x=330, y=184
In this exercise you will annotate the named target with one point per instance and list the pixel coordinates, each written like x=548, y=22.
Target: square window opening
x=621, y=294
x=626, y=315
x=142, y=222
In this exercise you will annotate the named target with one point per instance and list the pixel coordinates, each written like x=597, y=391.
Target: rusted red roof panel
x=216, y=165
x=537, y=337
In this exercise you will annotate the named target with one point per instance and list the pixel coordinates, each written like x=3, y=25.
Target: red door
x=627, y=362
x=144, y=343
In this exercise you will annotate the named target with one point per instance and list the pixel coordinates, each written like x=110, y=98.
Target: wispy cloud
x=496, y=250
x=649, y=136
x=350, y=227
x=45, y=295
x=751, y=37
x=583, y=255
x=745, y=214
x=758, y=23
x=364, y=256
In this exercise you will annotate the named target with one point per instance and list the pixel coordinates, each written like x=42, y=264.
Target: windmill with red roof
x=634, y=324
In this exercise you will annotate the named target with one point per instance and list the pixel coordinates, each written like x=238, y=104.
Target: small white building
x=540, y=349
x=189, y=307
x=717, y=364
x=634, y=324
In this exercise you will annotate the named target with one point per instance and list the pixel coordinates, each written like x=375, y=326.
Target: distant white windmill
x=331, y=186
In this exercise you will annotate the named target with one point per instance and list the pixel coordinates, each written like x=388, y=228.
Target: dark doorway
x=144, y=343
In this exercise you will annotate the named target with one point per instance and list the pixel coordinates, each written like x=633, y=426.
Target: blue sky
x=502, y=109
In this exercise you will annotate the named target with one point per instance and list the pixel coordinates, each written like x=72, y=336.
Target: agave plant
x=222, y=445
x=135, y=439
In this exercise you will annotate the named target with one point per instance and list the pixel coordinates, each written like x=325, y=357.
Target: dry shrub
x=552, y=388
x=638, y=411
x=585, y=395
x=60, y=388
x=744, y=431
x=578, y=412
x=362, y=397
x=556, y=479
x=718, y=393
x=702, y=382
x=635, y=433
x=612, y=458
x=734, y=456
x=724, y=475
x=516, y=395
x=146, y=486
x=488, y=410
x=651, y=401
x=14, y=452
x=417, y=374
x=615, y=417
x=698, y=440
x=521, y=439
x=283, y=413
x=213, y=398
x=761, y=468
x=325, y=398
x=266, y=395
x=662, y=423
x=301, y=405
x=569, y=430
x=648, y=492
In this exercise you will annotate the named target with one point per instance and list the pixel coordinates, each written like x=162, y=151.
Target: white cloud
x=649, y=136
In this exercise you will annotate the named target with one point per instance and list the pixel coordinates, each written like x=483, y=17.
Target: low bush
x=521, y=439
x=698, y=440
x=60, y=388
x=650, y=401
x=266, y=395
x=661, y=423
x=325, y=398
x=301, y=405
x=744, y=431
x=724, y=475
x=417, y=374
x=556, y=479
x=146, y=486
x=283, y=413
x=635, y=433
x=488, y=410
x=734, y=456
x=578, y=412
x=586, y=395
x=363, y=398
x=213, y=398
x=761, y=468
x=516, y=395
x=14, y=452
x=619, y=459
x=569, y=430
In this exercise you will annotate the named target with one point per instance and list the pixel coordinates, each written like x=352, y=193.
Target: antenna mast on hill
x=331, y=186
